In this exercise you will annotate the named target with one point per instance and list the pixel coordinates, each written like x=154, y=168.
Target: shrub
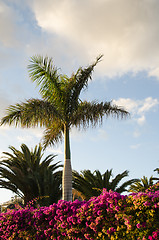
x=108, y=216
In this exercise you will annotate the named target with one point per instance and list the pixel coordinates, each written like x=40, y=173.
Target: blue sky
x=74, y=33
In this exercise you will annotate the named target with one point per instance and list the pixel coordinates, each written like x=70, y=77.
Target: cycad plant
x=60, y=109
x=28, y=176
x=90, y=184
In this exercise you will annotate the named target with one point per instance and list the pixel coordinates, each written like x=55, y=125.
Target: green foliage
x=141, y=185
x=60, y=104
x=91, y=184
x=27, y=175
x=60, y=107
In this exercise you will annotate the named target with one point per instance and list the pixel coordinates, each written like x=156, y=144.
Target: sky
x=74, y=33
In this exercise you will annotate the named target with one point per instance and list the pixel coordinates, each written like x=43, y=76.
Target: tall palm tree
x=141, y=185
x=60, y=109
x=27, y=175
x=90, y=184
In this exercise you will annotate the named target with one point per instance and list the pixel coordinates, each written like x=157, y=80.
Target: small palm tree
x=60, y=109
x=28, y=176
x=90, y=184
x=141, y=185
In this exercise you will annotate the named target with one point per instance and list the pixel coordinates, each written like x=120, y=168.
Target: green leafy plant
x=27, y=175
x=60, y=109
x=90, y=184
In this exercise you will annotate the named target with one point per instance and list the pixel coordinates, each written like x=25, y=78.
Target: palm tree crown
x=90, y=184
x=141, y=185
x=27, y=175
x=60, y=108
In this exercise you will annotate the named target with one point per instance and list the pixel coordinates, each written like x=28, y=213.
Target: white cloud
x=148, y=104
x=129, y=104
x=138, y=108
x=136, y=146
x=125, y=31
x=7, y=25
x=154, y=72
x=141, y=120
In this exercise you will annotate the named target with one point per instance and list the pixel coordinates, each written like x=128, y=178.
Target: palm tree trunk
x=67, y=171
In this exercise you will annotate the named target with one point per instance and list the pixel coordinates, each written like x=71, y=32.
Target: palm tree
x=60, y=109
x=90, y=184
x=156, y=178
x=141, y=185
x=28, y=176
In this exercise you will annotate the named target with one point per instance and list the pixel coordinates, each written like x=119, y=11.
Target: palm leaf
x=99, y=179
x=53, y=134
x=92, y=113
x=118, y=178
x=45, y=74
x=78, y=82
x=123, y=187
x=31, y=113
x=141, y=184
x=106, y=179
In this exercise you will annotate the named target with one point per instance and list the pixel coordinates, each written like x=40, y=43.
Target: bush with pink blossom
x=108, y=216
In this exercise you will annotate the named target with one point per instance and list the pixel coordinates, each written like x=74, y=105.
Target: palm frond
x=45, y=74
x=123, y=187
x=141, y=185
x=77, y=83
x=99, y=179
x=92, y=113
x=9, y=186
x=84, y=183
x=118, y=178
x=106, y=179
x=31, y=113
x=157, y=170
x=53, y=134
x=156, y=178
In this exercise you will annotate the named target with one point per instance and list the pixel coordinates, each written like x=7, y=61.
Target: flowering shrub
x=108, y=216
